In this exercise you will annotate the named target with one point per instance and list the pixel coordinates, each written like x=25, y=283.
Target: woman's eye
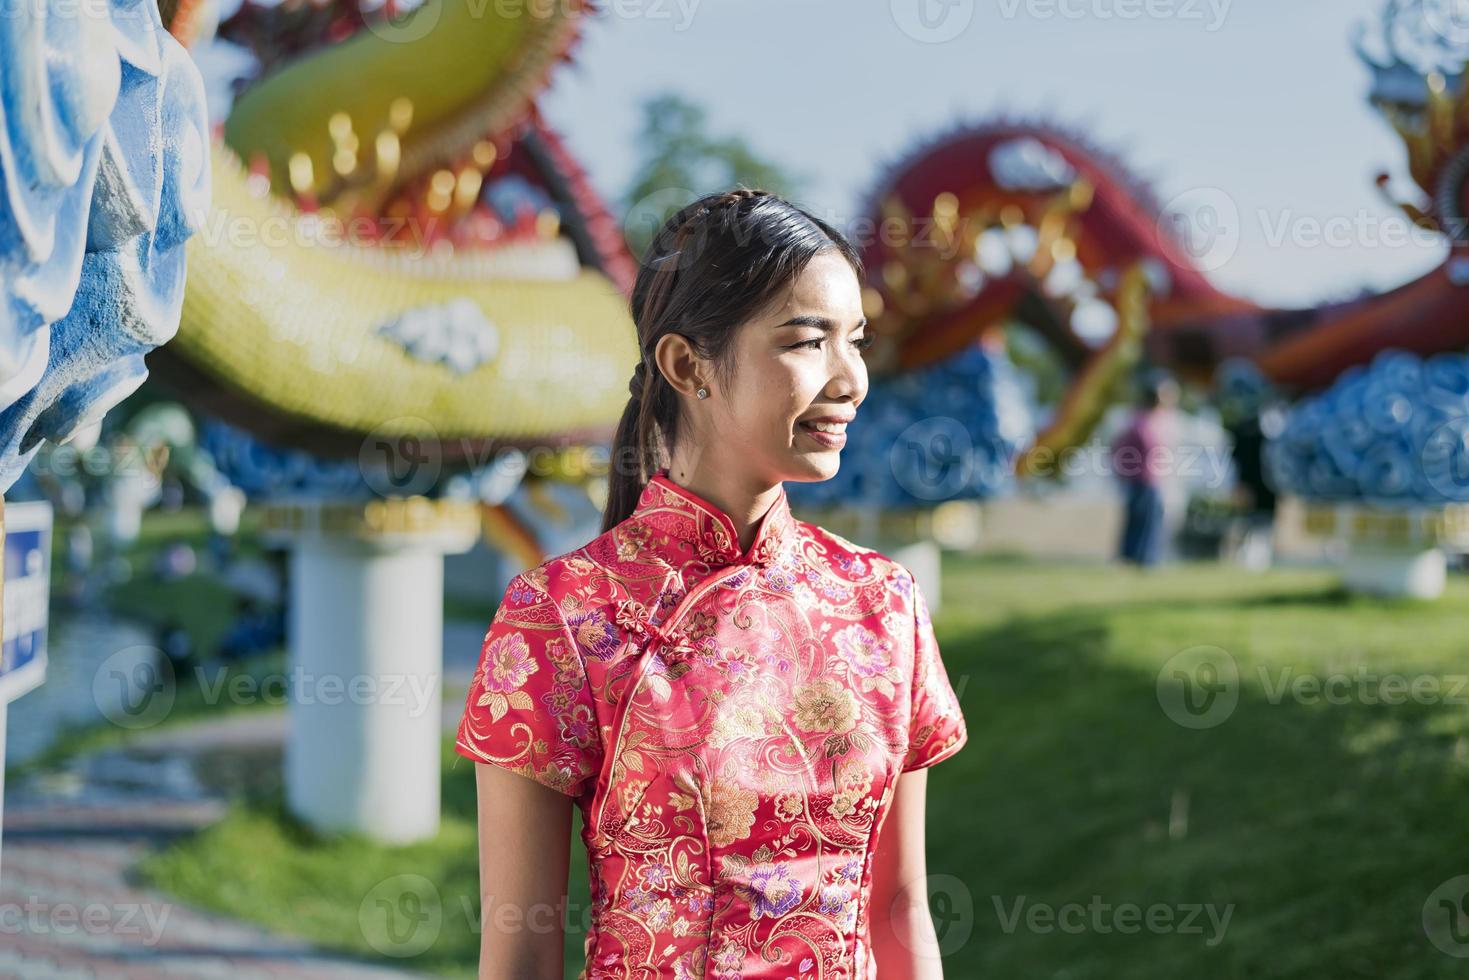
x=814, y=343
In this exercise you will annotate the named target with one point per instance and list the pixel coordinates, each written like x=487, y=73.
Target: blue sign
x=27, y=592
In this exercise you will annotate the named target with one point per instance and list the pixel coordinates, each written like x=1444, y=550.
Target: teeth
x=833, y=427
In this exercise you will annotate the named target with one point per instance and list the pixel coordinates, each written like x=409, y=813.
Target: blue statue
x=104, y=172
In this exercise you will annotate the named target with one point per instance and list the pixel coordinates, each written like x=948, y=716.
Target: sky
x=1248, y=115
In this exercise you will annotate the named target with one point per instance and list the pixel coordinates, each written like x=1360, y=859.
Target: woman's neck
x=745, y=503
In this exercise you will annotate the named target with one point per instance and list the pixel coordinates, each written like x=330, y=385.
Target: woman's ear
x=680, y=364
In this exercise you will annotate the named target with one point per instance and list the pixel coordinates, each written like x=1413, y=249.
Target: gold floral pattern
x=731, y=813
x=825, y=706
x=731, y=725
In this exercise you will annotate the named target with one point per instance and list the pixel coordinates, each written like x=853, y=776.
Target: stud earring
x=702, y=392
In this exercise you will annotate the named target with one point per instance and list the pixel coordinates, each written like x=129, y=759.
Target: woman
x=728, y=694
x=1137, y=459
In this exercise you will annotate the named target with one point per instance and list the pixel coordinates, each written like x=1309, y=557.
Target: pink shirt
x=1137, y=453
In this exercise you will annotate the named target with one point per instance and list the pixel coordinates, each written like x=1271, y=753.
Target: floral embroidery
x=507, y=666
x=578, y=725
x=833, y=899
x=660, y=914
x=520, y=591
x=738, y=717
x=867, y=658
x=690, y=966
x=773, y=890
x=825, y=706
x=789, y=807
x=700, y=625
x=632, y=540
x=594, y=634
x=852, y=789
x=781, y=580
x=731, y=813
x=730, y=724
x=728, y=959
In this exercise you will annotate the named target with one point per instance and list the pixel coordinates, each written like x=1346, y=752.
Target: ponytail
x=635, y=452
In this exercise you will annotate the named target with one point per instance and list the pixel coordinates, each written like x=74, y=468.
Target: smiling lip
x=831, y=440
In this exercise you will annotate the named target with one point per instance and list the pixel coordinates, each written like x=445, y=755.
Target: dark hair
x=712, y=266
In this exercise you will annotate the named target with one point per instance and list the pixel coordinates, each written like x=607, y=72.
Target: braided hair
x=713, y=265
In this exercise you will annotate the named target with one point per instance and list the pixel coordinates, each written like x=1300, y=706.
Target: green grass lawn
x=1320, y=829
x=261, y=864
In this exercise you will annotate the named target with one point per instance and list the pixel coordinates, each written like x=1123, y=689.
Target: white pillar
x=924, y=559
x=1399, y=552
x=1403, y=572
x=365, y=630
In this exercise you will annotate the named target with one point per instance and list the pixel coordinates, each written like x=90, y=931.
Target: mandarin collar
x=707, y=529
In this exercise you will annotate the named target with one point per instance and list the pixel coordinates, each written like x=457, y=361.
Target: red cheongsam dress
x=730, y=725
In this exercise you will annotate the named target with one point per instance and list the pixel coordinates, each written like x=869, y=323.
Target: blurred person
x=1137, y=461
x=1253, y=493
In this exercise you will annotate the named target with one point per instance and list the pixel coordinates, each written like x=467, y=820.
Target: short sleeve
x=529, y=708
x=937, y=729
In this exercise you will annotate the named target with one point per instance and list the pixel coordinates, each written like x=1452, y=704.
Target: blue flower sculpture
x=1390, y=434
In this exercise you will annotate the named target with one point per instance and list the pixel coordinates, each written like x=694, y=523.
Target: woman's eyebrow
x=820, y=322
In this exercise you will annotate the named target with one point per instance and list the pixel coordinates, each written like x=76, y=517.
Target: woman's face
x=798, y=363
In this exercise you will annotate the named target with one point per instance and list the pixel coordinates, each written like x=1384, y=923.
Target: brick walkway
x=70, y=909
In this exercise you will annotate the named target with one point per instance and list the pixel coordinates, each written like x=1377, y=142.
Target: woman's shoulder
x=845, y=555
x=554, y=575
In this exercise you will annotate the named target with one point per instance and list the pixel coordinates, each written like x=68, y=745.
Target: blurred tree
x=682, y=162
x=1034, y=355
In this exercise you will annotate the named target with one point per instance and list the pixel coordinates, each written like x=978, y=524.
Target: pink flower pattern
x=731, y=725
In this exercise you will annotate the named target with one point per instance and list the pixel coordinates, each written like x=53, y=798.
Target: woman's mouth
x=832, y=435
